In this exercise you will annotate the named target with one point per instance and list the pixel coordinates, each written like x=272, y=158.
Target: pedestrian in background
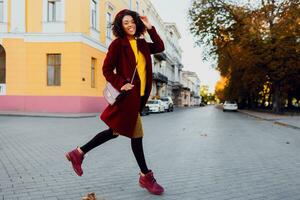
x=128, y=51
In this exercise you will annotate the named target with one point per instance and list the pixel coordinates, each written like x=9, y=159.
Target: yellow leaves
x=221, y=84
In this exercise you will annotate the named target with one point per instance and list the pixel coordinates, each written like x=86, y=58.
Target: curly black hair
x=117, y=27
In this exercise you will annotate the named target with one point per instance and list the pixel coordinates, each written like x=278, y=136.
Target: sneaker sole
x=155, y=193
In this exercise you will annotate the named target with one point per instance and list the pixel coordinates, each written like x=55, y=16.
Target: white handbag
x=111, y=94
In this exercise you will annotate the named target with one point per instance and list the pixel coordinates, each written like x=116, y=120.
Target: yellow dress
x=141, y=69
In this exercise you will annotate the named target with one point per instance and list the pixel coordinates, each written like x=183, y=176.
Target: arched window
x=2, y=65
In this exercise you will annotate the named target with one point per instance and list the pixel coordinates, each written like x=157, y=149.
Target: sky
x=192, y=59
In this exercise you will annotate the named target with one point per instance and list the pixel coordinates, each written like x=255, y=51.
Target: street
x=195, y=153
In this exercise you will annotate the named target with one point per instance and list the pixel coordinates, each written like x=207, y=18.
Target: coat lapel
x=129, y=53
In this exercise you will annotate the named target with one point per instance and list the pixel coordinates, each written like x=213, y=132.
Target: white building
x=160, y=79
x=168, y=77
x=173, y=65
x=166, y=65
x=191, y=83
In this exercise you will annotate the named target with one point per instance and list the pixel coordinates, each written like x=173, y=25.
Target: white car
x=155, y=106
x=168, y=103
x=230, y=106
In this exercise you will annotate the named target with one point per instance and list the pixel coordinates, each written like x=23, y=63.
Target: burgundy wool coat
x=122, y=116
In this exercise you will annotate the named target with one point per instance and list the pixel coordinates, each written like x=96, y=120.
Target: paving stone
x=195, y=153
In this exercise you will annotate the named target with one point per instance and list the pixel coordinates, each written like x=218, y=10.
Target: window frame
x=129, y=4
x=2, y=11
x=137, y=5
x=3, y=65
x=93, y=72
x=57, y=66
x=94, y=9
x=108, y=25
x=54, y=11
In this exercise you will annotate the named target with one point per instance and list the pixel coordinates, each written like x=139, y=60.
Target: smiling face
x=129, y=25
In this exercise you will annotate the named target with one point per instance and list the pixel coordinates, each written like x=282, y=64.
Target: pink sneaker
x=76, y=158
x=148, y=181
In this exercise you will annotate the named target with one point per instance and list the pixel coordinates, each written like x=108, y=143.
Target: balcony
x=159, y=77
x=160, y=56
x=177, y=86
x=186, y=89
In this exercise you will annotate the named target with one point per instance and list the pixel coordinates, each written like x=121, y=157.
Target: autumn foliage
x=256, y=48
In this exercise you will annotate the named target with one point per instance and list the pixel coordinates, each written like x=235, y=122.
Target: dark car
x=145, y=111
x=202, y=104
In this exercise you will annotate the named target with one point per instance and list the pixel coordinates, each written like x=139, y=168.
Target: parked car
x=202, y=104
x=155, y=106
x=168, y=103
x=145, y=111
x=230, y=106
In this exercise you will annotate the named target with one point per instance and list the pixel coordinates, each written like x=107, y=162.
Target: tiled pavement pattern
x=195, y=153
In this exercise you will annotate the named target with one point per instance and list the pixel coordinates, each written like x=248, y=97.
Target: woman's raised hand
x=146, y=22
x=127, y=87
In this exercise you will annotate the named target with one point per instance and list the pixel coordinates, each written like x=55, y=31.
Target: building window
x=108, y=27
x=129, y=4
x=51, y=11
x=2, y=65
x=93, y=80
x=1, y=11
x=54, y=7
x=53, y=16
x=137, y=6
x=54, y=65
x=94, y=14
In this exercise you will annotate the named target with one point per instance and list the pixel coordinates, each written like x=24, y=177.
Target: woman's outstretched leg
x=99, y=139
x=137, y=148
x=76, y=156
x=147, y=179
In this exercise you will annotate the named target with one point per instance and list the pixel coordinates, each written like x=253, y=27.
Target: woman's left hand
x=146, y=22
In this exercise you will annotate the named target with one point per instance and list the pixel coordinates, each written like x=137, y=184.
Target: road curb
x=287, y=125
x=274, y=121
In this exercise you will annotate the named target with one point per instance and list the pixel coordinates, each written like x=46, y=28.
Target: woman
x=125, y=54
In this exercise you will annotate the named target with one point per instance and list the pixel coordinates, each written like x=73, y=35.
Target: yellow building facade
x=51, y=53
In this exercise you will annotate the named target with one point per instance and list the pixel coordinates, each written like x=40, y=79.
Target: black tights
x=137, y=148
x=136, y=145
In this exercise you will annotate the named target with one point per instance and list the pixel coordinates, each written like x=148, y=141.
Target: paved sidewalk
x=197, y=153
x=289, y=121
x=41, y=114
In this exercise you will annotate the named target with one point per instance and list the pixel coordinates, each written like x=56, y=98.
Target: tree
x=220, y=86
x=204, y=93
x=253, y=46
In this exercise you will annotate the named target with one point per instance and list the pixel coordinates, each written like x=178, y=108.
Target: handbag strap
x=133, y=76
